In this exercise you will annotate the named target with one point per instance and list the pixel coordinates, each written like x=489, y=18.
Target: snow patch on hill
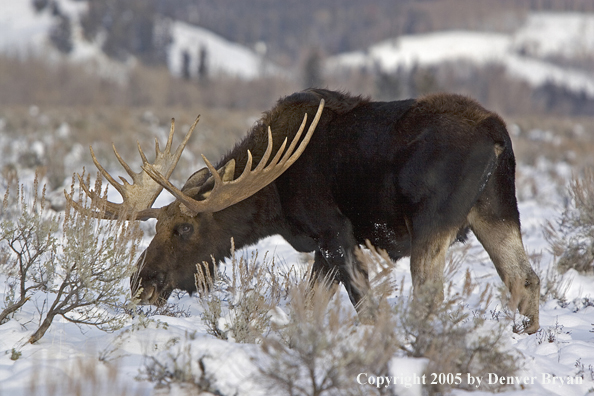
x=24, y=31
x=524, y=54
x=222, y=56
x=21, y=28
x=570, y=35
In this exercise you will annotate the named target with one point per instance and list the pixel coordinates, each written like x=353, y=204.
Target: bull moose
x=409, y=176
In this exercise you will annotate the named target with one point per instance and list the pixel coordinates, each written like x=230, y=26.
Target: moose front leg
x=332, y=236
x=335, y=261
x=333, y=266
x=323, y=274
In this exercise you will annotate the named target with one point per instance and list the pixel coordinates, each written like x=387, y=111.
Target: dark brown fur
x=409, y=176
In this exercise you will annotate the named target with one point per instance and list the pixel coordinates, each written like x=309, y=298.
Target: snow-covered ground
x=562, y=350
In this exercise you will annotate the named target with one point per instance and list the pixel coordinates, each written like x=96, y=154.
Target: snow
x=565, y=344
x=537, y=73
x=22, y=29
x=563, y=349
x=428, y=49
x=523, y=53
x=222, y=55
x=553, y=34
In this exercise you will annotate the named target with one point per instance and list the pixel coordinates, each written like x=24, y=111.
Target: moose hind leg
x=427, y=262
x=502, y=239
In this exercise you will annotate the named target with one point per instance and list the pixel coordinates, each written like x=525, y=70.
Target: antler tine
x=106, y=174
x=182, y=145
x=179, y=150
x=211, y=168
x=306, y=138
x=124, y=165
x=277, y=157
x=248, y=167
x=170, y=137
x=110, y=210
x=142, y=156
x=294, y=141
x=139, y=196
x=225, y=194
x=80, y=208
x=267, y=153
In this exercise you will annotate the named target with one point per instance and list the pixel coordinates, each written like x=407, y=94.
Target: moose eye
x=184, y=230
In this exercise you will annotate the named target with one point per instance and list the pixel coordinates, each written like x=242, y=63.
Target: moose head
x=198, y=226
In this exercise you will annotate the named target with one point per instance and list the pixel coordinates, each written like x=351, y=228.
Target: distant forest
x=290, y=29
x=298, y=35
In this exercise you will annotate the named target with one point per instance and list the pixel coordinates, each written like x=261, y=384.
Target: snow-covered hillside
x=523, y=54
x=23, y=30
x=222, y=56
x=570, y=35
x=20, y=28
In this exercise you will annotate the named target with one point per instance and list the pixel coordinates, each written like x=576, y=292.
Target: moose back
x=411, y=177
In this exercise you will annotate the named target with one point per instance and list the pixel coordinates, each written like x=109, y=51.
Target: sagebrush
x=323, y=347
x=238, y=306
x=80, y=263
x=572, y=236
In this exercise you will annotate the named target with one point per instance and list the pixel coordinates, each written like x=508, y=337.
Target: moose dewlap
x=410, y=176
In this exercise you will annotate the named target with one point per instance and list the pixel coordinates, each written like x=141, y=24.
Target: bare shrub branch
x=572, y=237
x=321, y=350
x=94, y=259
x=28, y=245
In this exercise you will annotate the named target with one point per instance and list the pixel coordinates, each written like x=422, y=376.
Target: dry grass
x=559, y=139
x=64, y=134
x=322, y=348
x=572, y=236
x=179, y=372
x=32, y=79
x=64, y=108
x=81, y=377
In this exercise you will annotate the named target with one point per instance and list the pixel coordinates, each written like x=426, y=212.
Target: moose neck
x=252, y=219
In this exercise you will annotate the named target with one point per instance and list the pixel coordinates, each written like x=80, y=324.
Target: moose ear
x=201, y=178
x=197, y=179
x=201, y=185
x=227, y=172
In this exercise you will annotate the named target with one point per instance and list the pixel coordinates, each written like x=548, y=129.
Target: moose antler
x=227, y=193
x=139, y=196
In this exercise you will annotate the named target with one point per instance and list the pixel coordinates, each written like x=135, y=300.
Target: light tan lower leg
x=503, y=242
x=427, y=264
